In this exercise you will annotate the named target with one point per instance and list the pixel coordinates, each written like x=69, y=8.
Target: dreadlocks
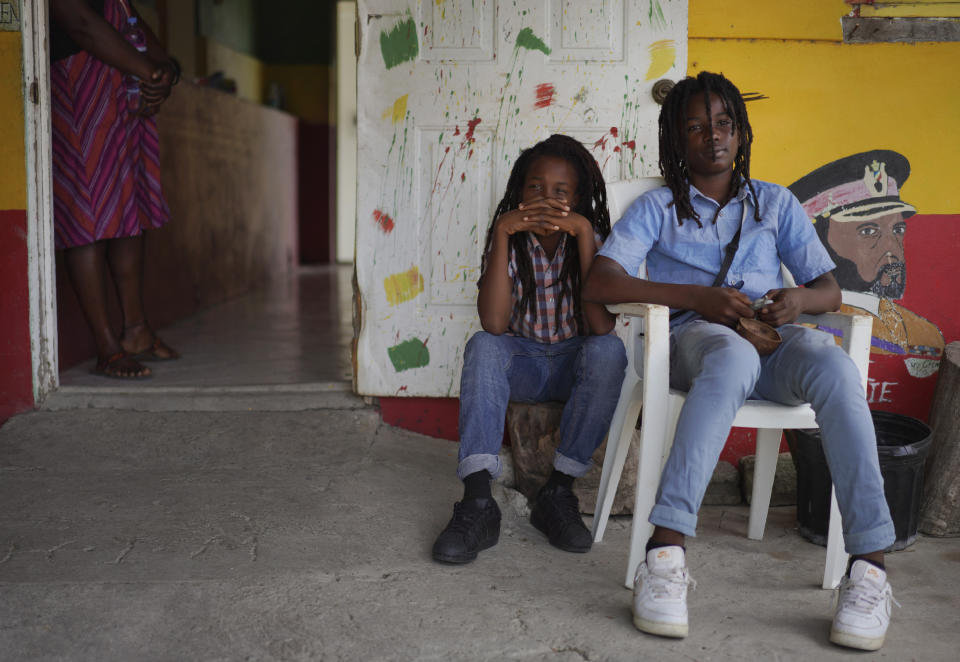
x=673, y=138
x=591, y=204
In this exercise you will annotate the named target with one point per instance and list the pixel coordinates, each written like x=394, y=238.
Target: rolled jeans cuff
x=571, y=467
x=474, y=463
x=874, y=540
x=673, y=519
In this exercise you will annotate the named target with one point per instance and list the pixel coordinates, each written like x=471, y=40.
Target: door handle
x=661, y=89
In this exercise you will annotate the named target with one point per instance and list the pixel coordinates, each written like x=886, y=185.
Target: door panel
x=449, y=92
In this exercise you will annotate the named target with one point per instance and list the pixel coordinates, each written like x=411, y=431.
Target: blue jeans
x=586, y=371
x=720, y=370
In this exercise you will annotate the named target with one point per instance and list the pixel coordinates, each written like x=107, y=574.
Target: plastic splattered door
x=449, y=92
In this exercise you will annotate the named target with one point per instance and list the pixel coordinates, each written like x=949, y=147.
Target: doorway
x=295, y=328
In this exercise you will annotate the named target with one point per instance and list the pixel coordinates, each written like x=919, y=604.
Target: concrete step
x=141, y=397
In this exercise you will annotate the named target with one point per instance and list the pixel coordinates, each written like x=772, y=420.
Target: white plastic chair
x=647, y=386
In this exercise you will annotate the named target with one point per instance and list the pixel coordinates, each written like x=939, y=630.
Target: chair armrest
x=842, y=321
x=635, y=309
x=855, y=335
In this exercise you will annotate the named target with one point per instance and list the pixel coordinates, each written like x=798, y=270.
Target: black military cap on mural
x=859, y=187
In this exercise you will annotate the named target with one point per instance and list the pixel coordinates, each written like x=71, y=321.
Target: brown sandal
x=158, y=351
x=111, y=367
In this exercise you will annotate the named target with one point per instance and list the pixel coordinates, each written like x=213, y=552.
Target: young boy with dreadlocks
x=681, y=230
x=539, y=342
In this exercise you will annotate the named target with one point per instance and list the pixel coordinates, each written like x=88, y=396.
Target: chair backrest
x=620, y=195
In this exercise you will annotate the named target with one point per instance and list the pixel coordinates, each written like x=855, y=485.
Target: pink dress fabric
x=106, y=160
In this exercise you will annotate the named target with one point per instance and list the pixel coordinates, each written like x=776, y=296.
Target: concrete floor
x=241, y=531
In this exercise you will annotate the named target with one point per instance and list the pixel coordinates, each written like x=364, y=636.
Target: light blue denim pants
x=584, y=371
x=720, y=370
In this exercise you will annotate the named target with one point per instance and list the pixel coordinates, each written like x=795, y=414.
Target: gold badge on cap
x=875, y=178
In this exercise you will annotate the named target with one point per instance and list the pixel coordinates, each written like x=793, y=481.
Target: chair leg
x=618, y=445
x=764, y=471
x=656, y=437
x=836, y=563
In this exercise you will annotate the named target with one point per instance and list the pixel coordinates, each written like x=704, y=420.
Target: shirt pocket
x=761, y=252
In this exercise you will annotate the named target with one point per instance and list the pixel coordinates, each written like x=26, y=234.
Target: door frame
x=41, y=260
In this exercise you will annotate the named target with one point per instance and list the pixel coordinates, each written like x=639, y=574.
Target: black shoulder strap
x=728, y=254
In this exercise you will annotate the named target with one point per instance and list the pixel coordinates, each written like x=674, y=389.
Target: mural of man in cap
x=855, y=205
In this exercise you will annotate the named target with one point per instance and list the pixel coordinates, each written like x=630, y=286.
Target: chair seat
x=767, y=414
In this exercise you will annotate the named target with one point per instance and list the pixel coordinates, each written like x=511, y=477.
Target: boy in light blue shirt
x=682, y=231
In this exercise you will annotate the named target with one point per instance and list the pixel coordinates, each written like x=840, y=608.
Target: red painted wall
x=317, y=190
x=16, y=375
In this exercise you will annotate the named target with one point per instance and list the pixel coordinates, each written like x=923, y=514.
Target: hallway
x=296, y=331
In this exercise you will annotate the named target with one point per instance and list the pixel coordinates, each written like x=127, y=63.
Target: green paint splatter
x=400, y=44
x=526, y=39
x=409, y=354
x=655, y=15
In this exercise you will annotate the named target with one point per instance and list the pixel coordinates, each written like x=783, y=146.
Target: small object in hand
x=760, y=303
x=761, y=335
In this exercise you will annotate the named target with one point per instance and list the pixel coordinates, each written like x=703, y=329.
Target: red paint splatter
x=545, y=94
x=463, y=176
x=470, y=154
x=456, y=130
x=631, y=144
x=384, y=221
x=471, y=125
x=447, y=149
x=602, y=143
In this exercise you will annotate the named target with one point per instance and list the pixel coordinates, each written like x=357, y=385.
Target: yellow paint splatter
x=663, y=54
x=398, y=111
x=403, y=286
x=440, y=2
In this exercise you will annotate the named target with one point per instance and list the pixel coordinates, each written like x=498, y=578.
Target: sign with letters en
x=10, y=15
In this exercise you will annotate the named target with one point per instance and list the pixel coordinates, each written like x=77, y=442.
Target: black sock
x=876, y=564
x=653, y=544
x=560, y=478
x=477, y=485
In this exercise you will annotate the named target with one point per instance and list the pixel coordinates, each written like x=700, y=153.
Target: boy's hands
x=723, y=305
x=787, y=306
x=543, y=217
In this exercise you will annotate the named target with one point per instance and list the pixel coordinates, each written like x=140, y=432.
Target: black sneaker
x=556, y=512
x=475, y=526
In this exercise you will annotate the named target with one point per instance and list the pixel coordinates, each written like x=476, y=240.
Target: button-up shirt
x=547, y=296
x=692, y=255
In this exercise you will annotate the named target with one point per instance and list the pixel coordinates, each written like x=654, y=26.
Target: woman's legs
x=125, y=257
x=87, y=268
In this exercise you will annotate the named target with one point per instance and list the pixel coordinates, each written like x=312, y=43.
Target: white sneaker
x=863, y=608
x=660, y=593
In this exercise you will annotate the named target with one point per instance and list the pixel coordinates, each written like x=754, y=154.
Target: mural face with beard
x=869, y=254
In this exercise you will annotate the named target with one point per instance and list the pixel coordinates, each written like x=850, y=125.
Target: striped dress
x=106, y=161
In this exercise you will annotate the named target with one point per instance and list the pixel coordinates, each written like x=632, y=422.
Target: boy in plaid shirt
x=539, y=342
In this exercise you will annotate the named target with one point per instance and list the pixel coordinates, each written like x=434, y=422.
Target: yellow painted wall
x=829, y=99
x=246, y=70
x=13, y=193
x=307, y=88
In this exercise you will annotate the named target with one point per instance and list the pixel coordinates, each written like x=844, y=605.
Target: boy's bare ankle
x=666, y=536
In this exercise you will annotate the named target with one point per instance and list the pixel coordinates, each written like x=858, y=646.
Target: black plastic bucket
x=902, y=444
